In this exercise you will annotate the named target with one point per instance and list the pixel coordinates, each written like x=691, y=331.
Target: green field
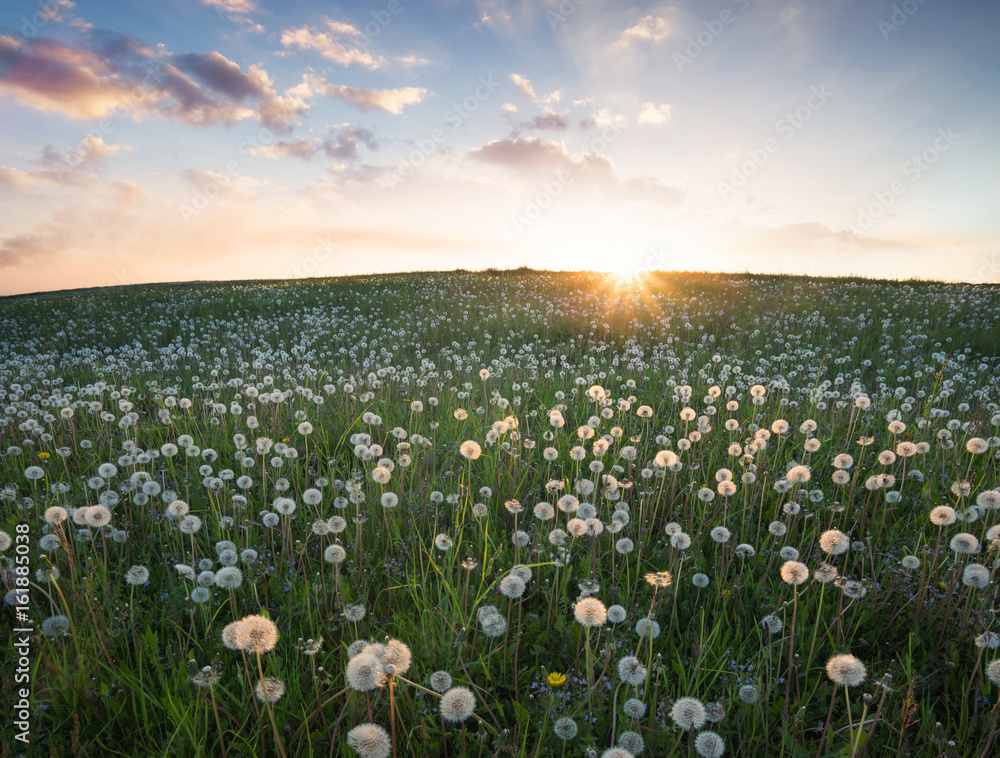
x=686, y=495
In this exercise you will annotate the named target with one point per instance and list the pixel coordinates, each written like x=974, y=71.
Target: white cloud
x=231, y=6
x=332, y=45
x=649, y=29
x=654, y=114
x=389, y=100
x=525, y=87
x=604, y=118
x=409, y=61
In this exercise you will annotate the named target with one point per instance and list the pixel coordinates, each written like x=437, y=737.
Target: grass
x=379, y=366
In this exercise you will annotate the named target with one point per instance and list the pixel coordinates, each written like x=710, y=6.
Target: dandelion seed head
x=846, y=670
x=228, y=578
x=565, y=728
x=943, y=515
x=825, y=573
x=137, y=576
x=440, y=681
x=632, y=742
x=720, y=534
x=397, y=654
x=688, y=713
x=794, y=572
x=269, y=689
x=854, y=589
x=590, y=612
x=708, y=744
x=256, y=634
x=354, y=612
x=993, y=671
x=975, y=575
x=647, y=628
x=988, y=639
x=748, y=694
x=631, y=671
x=470, y=450
x=772, y=624
x=369, y=741
x=56, y=626
x=964, y=543
x=365, y=672
x=634, y=709
x=457, y=704
x=834, y=542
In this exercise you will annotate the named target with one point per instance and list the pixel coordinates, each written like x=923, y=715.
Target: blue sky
x=217, y=139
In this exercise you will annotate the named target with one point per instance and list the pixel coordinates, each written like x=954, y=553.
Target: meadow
x=503, y=514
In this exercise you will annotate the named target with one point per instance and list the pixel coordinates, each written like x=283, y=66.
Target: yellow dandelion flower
x=555, y=679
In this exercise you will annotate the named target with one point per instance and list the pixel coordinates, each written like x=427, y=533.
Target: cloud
x=231, y=6
x=648, y=189
x=15, y=180
x=548, y=120
x=331, y=46
x=300, y=148
x=514, y=19
x=654, y=114
x=410, y=61
x=200, y=178
x=74, y=168
x=277, y=113
x=508, y=108
x=93, y=239
x=178, y=97
x=237, y=11
x=89, y=155
x=342, y=144
x=25, y=248
x=523, y=85
x=810, y=235
x=52, y=12
x=121, y=49
x=128, y=193
x=495, y=14
x=53, y=77
x=390, y=100
x=224, y=76
x=649, y=29
x=530, y=155
x=605, y=118
x=119, y=74
x=533, y=159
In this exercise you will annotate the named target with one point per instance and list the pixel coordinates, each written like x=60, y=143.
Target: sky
x=255, y=139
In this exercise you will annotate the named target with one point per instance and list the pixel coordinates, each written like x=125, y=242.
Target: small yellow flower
x=43, y=456
x=727, y=593
x=556, y=679
x=286, y=440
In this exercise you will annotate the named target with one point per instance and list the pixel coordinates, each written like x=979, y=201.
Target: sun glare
x=627, y=275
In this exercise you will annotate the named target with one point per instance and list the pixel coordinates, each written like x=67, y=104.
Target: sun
x=627, y=275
